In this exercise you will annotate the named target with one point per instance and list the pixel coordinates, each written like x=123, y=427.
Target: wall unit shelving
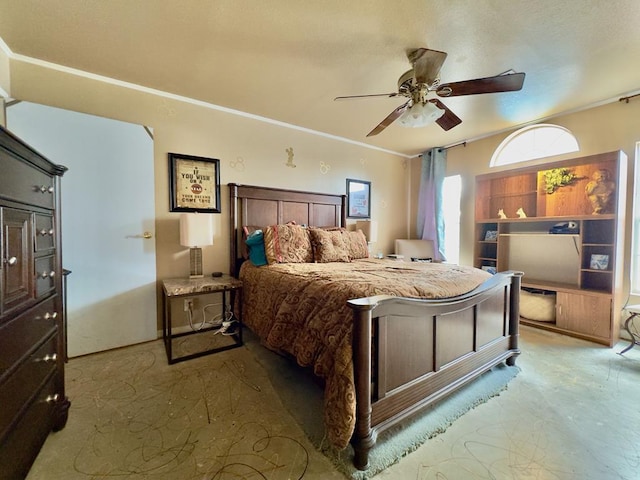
x=581, y=266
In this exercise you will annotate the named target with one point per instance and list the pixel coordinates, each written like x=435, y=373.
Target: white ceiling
x=286, y=60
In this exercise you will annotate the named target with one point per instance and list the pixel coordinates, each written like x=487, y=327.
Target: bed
x=387, y=338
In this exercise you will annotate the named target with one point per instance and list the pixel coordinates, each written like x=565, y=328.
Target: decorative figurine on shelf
x=521, y=213
x=501, y=214
x=600, y=191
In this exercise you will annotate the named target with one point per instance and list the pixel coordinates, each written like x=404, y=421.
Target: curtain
x=430, y=224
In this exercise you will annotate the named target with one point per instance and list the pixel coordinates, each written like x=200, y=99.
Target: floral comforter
x=301, y=309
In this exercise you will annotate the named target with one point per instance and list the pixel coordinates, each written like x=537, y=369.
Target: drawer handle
x=52, y=398
x=50, y=274
x=50, y=357
x=45, y=189
x=44, y=232
x=48, y=316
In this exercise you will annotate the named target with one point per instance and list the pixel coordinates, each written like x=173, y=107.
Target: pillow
x=328, y=246
x=255, y=242
x=356, y=242
x=287, y=244
x=246, y=231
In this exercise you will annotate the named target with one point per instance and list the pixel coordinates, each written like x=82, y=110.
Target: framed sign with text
x=194, y=183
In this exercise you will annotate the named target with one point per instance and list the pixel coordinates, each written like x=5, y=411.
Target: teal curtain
x=430, y=224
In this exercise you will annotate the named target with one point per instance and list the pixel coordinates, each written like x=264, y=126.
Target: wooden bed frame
x=407, y=353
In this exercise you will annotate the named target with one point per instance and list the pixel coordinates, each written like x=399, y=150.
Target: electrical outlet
x=188, y=304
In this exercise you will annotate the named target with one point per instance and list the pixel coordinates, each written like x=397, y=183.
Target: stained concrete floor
x=571, y=414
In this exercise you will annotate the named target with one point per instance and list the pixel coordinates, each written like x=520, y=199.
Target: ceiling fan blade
x=394, y=94
x=426, y=64
x=449, y=119
x=508, y=82
x=389, y=119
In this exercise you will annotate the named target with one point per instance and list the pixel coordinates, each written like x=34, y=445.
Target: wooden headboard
x=263, y=206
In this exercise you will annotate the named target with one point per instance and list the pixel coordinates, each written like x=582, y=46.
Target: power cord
x=216, y=319
x=227, y=323
x=190, y=317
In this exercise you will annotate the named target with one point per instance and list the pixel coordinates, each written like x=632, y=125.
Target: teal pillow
x=255, y=242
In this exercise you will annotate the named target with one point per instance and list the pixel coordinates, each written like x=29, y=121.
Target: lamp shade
x=369, y=228
x=196, y=229
x=420, y=115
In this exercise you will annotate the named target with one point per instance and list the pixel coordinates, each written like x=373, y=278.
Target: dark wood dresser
x=32, y=396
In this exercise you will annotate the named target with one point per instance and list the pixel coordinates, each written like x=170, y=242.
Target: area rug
x=302, y=397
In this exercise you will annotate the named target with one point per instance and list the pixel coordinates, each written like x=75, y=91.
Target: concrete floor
x=571, y=413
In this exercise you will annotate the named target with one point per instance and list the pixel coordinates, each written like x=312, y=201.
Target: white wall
x=5, y=77
x=250, y=152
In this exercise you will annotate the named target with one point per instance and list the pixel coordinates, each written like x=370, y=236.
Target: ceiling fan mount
x=406, y=82
x=423, y=78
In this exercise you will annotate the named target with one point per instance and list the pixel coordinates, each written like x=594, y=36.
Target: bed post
x=364, y=437
x=514, y=316
x=233, y=228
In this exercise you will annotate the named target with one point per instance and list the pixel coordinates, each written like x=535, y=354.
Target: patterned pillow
x=356, y=244
x=328, y=246
x=288, y=244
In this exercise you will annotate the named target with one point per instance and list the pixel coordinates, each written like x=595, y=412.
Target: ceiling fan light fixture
x=420, y=115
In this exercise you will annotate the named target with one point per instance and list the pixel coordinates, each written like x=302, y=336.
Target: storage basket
x=538, y=305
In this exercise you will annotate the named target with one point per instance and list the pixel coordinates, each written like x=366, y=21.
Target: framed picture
x=358, y=198
x=599, y=262
x=194, y=183
x=491, y=235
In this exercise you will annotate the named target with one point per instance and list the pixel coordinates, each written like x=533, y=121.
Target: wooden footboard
x=410, y=353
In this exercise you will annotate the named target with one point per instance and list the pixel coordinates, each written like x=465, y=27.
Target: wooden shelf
x=562, y=287
x=585, y=295
x=540, y=234
x=513, y=194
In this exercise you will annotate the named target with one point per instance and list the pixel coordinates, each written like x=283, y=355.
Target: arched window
x=532, y=142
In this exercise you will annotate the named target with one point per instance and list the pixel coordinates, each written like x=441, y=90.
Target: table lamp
x=196, y=230
x=370, y=230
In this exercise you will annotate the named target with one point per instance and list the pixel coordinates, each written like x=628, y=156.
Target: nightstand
x=212, y=339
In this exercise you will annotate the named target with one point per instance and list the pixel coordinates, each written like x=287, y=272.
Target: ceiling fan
x=423, y=78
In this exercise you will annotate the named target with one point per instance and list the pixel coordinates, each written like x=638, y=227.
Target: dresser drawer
x=19, y=335
x=22, y=444
x=45, y=275
x=24, y=183
x=17, y=259
x=16, y=390
x=44, y=233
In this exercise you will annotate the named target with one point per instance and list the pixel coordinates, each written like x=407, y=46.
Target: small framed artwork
x=194, y=184
x=491, y=235
x=599, y=262
x=358, y=198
